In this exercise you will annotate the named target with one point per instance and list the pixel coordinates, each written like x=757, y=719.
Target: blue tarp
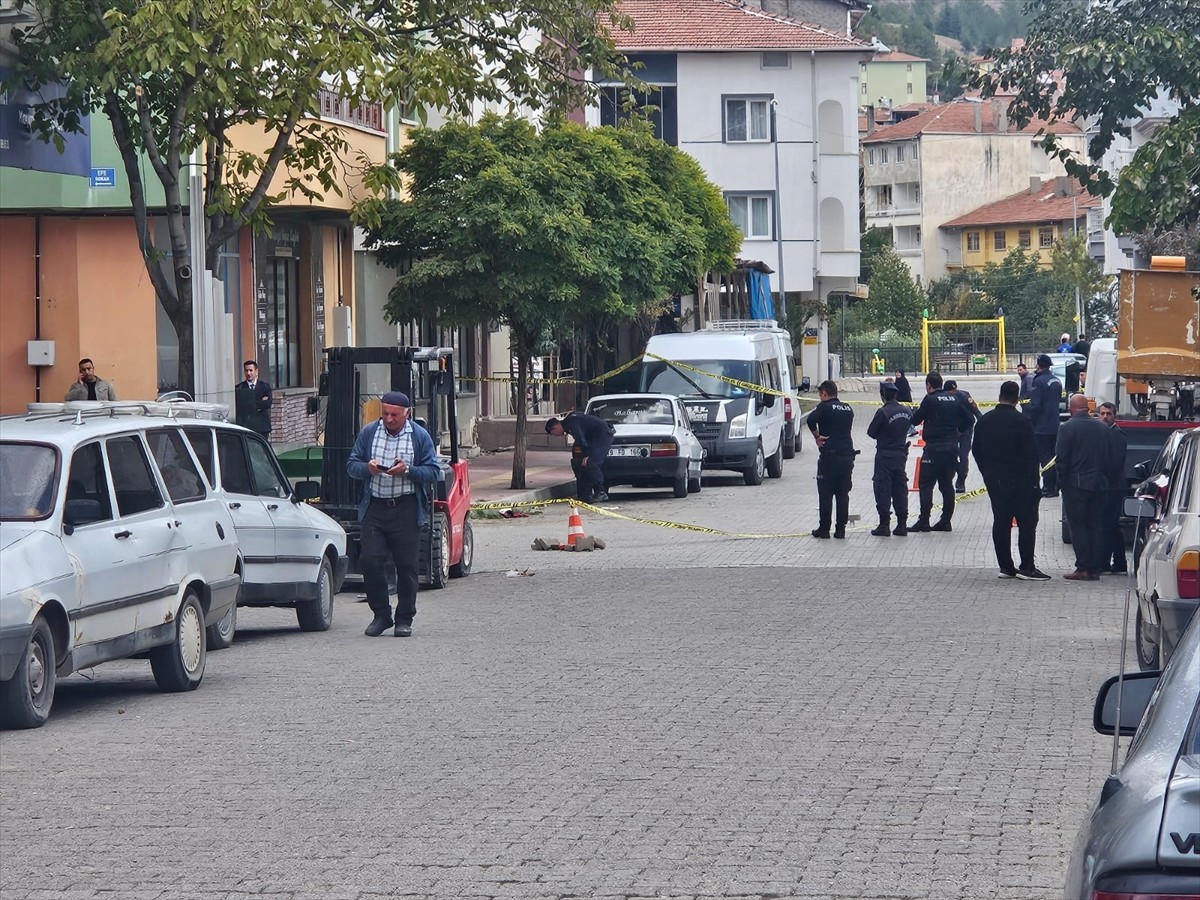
x=761, y=306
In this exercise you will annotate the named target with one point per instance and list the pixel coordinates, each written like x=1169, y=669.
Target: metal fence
x=964, y=350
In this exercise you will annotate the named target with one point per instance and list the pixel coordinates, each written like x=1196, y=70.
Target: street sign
x=104, y=178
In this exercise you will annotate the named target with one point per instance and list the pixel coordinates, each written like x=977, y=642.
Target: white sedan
x=653, y=444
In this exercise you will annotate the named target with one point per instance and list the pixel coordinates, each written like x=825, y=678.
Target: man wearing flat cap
x=396, y=462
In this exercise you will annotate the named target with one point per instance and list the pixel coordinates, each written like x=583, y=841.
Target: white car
x=1168, y=570
x=653, y=443
x=112, y=545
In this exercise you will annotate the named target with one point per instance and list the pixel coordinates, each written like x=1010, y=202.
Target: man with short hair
x=889, y=429
x=593, y=439
x=1026, y=378
x=1083, y=345
x=90, y=386
x=252, y=400
x=1045, y=395
x=1113, y=556
x=831, y=423
x=1084, y=452
x=1006, y=454
x=396, y=462
x=945, y=418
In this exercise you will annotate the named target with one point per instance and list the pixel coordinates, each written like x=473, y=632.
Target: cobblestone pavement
x=679, y=715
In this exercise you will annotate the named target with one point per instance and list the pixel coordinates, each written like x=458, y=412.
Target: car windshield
x=663, y=378
x=633, y=411
x=27, y=480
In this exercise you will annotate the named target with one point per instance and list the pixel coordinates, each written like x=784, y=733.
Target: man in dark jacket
x=964, y=439
x=1006, y=454
x=1026, y=378
x=1084, y=459
x=252, y=400
x=593, y=438
x=1113, y=558
x=889, y=430
x=1045, y=395
x=945, y=418
x=830, y=424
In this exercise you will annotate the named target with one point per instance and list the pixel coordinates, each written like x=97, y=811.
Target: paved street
x=680, y=715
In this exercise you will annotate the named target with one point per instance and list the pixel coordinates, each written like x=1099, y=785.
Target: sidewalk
x=547, y=476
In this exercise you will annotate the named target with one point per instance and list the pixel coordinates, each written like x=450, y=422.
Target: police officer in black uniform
x=830, y=424
x=945, y=418
x=889, y=429
x=593, y=439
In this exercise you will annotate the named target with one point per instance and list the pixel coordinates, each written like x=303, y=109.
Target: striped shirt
x=387, y=448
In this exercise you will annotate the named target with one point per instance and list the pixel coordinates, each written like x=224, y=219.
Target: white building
x=767, y=105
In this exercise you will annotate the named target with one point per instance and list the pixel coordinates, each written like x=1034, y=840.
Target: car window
x=201, y=440
x=28, y=476
x=235, y=468
x=267, y=480
x=175, y=463
x=133, y=478
x=1182, y=479
x=86, y=481
x=633, y=411
x=661, y=378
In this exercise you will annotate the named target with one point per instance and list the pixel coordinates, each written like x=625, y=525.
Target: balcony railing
x=337, y=108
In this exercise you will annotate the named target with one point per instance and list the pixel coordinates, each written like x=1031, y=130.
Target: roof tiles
x=1057, y=200
x=958, y=117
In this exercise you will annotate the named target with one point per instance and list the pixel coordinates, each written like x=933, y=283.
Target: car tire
x=220, y=634
x=789, y=447
x=462, y=568
x=437, y=559
x=317, y=614
x=679, y=487
x=1145, y=643
x=694, y=484
x=179, y=665
x=775, y=462
x=754, y=473
x=26, y=698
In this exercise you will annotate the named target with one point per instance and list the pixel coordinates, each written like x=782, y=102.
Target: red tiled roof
x=1046, y=204
x=897, y=56
x=958, y=117
x=719, y=25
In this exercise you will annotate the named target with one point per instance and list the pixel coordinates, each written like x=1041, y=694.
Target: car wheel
x=1145, y=639
x=775, y=462
x=179, y=665
x=789, y=447
x=26, y=698
x=220, y=634
x=679, y=487
x=462, y=568
x=754, y=474
x=317, y=614
x=694, y=483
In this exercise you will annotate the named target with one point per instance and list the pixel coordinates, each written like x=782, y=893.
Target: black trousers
x=939, y=465
x=390, y=529
x=964, y=454
x=833, y=483
x=589, y=479
x=1045, y=449
x=891, y=486
x=1011, y=501
x=1113, y=555
x=1085, y=515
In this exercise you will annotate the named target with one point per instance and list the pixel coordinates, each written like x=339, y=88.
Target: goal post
x=1001, y=349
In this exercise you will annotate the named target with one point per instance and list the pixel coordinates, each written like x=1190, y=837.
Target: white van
x=740, y=428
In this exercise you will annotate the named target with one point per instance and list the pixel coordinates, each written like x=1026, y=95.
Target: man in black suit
x=252, y=400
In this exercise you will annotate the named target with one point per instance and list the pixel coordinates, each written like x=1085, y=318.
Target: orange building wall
x=17, y=291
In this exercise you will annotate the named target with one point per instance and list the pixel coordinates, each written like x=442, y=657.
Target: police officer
x=1045, y=395
x=964, y=439
x=945, y=417
x=593, y=439
x=889, y=429
x=830, y=424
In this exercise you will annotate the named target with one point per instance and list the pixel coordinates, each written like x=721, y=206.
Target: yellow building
x=1030, y=221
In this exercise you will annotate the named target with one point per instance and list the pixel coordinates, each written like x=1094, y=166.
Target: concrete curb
x=558, y=491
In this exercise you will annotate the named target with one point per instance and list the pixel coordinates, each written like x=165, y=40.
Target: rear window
x=28, y=477
x=633, y=411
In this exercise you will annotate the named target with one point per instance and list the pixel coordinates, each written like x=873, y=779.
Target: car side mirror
x=1139, y=507
x=1142, y=470
x=1136, y=689
x=305, y=491
x=81, y=512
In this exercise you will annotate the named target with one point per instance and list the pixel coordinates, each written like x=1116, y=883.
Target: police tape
x=599, y=378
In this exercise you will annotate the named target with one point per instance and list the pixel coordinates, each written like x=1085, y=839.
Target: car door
x=297, y=544
x=102, y=560
x=197, y=510
x=255, y=530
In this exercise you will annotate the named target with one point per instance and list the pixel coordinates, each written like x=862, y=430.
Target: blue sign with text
x=104, y=178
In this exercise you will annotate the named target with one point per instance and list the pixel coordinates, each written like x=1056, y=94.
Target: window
x=137, y=491
x=663, y=115
x=751, y=213
x=267, y=480
x=916, y=193
x=883, y=195
x=915, y=150
x=87, y=482
x=908, y=87
x=28, y=476
x=871, y=157
x=175, y=464
x=1045, y=238
x=899, y=153
x=885, y=155
x=775, y=59
x=1023, y=240
x=908, y=68
x=864, y=89
x=747, y=119
x=972, y=241
x=201, y=440
x=999, y=240
x=235, y=470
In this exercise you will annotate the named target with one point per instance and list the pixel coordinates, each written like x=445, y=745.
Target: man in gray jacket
x=1084, y=459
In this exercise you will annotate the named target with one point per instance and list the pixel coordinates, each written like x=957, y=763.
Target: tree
x=1116, y=60
x=173, y=76
x=895, y=300
x=1073, y=268
x=545, y=230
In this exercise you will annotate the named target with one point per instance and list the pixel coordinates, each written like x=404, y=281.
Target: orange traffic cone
x=916, y=485
x=574, y=527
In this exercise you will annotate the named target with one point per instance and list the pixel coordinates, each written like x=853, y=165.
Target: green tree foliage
x=1115, y=60
x=546, y=230
x=895, y=300
x=873, y=241
x=1077, y=274
x=175, y=75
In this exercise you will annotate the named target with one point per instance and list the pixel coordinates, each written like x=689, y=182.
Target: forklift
x=447, y=543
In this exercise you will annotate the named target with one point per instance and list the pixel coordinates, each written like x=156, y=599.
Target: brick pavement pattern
x=677, y=716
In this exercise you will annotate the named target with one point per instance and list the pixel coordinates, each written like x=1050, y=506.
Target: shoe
x=822, y=534
x=379, y=625
x=882, y=531
x=1034, y=574
x=1007, y=573
x=940, y=525
x=960, y=488
x=1081, y=575
x=1116, y=572
x=919, y=526
x=900, y=530
x=403, y=629
x=600, y=498
x=840, y=534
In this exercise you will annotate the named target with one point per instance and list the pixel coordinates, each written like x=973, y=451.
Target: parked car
x=1142, y=840
x=112, y=545
x=653, y=444
x=1154, y=476
x=1168, y=570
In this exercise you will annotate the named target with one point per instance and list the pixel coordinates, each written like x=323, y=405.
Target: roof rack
x=743, y=325
x=78, y=410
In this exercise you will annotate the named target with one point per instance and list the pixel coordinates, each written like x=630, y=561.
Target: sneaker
x=919, y=526
x=882, y=531
x=823, y=535
x=1034, y=574
x=1007, y=573
x=941, y=525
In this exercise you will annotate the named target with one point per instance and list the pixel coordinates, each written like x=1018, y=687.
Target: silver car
x=1142, y=841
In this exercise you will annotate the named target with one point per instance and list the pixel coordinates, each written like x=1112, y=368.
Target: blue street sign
x=104, y=178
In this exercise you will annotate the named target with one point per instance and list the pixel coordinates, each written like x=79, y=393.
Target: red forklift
x=354, y=380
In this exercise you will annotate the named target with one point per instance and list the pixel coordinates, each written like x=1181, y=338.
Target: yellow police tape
x=745, y=385
x=599, y=378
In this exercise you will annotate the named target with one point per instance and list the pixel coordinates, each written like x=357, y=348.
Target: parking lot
x=680, y=715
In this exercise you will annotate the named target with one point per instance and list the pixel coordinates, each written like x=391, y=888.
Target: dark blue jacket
x=945, y=417
x=589, y=432
x=1045, y=395
x=423, y=471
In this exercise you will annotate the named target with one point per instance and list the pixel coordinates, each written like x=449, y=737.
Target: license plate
x=698, y=413
x=633, y=450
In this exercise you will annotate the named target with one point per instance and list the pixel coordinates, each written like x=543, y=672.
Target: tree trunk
x=521, y=344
